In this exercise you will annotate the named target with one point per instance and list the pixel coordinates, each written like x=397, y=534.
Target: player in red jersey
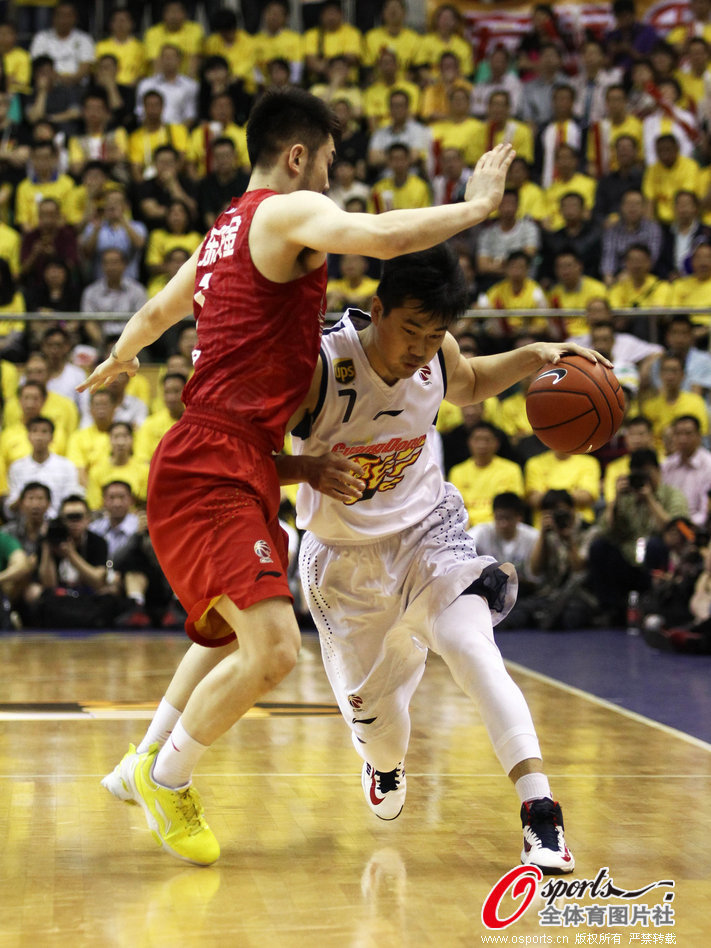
x=257, y=286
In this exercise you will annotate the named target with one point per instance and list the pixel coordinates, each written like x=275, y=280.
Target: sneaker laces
x=191, y=810
x=390, y=780
x=542, y=819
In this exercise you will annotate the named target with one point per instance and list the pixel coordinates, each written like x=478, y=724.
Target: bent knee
x=279, y=662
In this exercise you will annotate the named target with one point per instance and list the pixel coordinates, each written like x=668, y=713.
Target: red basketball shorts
x=213, y=501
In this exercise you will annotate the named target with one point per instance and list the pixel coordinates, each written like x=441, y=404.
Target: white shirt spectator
x=627, y=349
x=693, y=478
x=117, y=536
x=482, y=91
x=57, y=473
x=415, y=135
x=99, y=297
x=179, y=98
x=68, y=54
x=517, y=551
x=66, y=382
x=131, y=410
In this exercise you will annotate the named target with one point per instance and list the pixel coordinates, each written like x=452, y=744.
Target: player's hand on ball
x=554, y=352
x=335, y=476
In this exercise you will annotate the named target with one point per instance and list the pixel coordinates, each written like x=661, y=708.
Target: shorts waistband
x=207, y=418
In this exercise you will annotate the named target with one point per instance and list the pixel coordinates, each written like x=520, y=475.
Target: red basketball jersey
x=258, y=341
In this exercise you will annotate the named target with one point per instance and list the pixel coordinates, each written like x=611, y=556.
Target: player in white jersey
x=387, y=566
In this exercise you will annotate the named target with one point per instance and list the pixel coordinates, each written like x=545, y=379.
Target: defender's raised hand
x=488, y=180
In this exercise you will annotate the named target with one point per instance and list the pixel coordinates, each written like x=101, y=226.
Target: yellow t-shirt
x=149, y=434
x=479, y=485
x=88, y=446
x=662, y=413
x=241, y=56
x=18, y=70
x=15, y=444
x=515, y=133
x=431, y=46
x=84, y=148
x=347, y=295
x=461, y=135
x=620, y=467
x=139, y=386
x=130, y=56
x=576, y=472
x=142, y=143
x=10, y=379
x=189, y=38
x=58, y=408
x=404, y=45
x=376, y=99
x=692, y=87
x=450, y=416
x=512, y=417
x=531, y=201
x=690, y=291
x=653, y=292
x=30, y=193
x=580, y=184
x=435, y=99
x=503, y=296
x=134, y=473
x=346, y=40
x=560, y=298
x=16, y=305
x=286, y=45
x=161, y=242
x=195, y=152
x=385, y=195
x=660, y=184
x=630, y=126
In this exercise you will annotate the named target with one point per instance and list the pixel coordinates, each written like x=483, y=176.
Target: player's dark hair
x=509, y=501
x=432, y=279
x=281, y=119
x=36, y=485
x=643, y=457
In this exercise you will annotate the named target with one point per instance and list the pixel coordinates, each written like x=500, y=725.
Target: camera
x=57, y=532
x=637, y=480
x=562, y=519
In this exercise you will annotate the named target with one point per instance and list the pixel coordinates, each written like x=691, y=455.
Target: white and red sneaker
x=543, y=839
x=384, y=792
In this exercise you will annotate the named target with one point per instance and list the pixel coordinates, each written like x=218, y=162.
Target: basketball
x=575, y=405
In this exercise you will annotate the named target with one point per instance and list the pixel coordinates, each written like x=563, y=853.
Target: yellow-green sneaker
x=175, y=817
x=118, y=781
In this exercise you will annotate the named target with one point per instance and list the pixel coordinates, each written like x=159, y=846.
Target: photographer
x=618, y=560
x=558, y=561
x=73, y=573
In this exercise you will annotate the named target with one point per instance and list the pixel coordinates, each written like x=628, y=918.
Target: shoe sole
x=106, y=784
x=550, y=870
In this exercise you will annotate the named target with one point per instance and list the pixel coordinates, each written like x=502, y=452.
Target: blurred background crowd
x=122, y=137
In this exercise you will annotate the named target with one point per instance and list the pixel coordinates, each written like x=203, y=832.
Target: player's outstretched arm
x=173, y=303
x=476, y=379
x=307, y=219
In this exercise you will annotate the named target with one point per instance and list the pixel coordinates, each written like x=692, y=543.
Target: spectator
x=14, y=152
x=90, y=444
x=592, y=83
x=695, y=290
x=17, y=62
x=503, y=236
x=484, y=474
x=639, y=99
x=160, y=421
x=612, y=186
x=637, y=434
x=402, y=129
x=573, y=290
x=557, y=562
x=636, y=285
x=113, y=292
x=119, y=523
x=235, y=47
x=63, y=375
x=579, y=474
x=97, y=143
x=31, y=522
x=56, y=472
x=531, y=198
x=691, y=76
x=679, y=339
x=668, y=117
x=545, y=31
x=123, y=45
x=681, y=38
x=175, y=29
x=172, y=262
x=339, y=85
x=562, y=129
x=435, y=105
x=688, y=468
x=56, y=291
x=500, y=127
x=344, y=184
x=507, y=538
x=11, y=301
x=223, y=182
x=217, y=80
x=88, y=198
x=605, y=131
x=445, y=36
x=683, y=235
x=672, y=402
x=577, y=233
x=642, y=507
x=120, y=465
x=332, y=37
x=156, y=194
x=630, y=40
x=151, y=135
x=627, y=349
x=220, y=124
x=15, y=570
x=45, y=183
x=400, y=188
x=354, y=288
x=537, y=98
x=14, y=441
x=389, y=78
x=392, y=35
x=71, y=50
x=276, y=41
x=458, y=129
x=177, y=233
x=567, y=180
x=121, y=98
x=501, y=78
x=670, y=173
x=129, y=409
x=113, y=229
x=50, y=239
x=516, y=291
x=449, y=186
x=633, y=228
x=72, y=574
x=179, y=91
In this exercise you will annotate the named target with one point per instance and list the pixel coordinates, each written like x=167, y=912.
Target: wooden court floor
x=304, y=861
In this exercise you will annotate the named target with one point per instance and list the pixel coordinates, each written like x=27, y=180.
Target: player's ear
x=296, y=158
x=376, y=310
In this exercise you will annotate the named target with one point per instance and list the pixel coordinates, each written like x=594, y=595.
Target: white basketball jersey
x=384, y=428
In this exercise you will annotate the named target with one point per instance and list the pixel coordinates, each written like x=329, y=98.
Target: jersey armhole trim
x=443, y=367
x=303, y=429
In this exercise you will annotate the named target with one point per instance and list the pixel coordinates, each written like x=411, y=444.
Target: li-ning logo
x=355, y=701
x=556, y=374
x=425, y=374
x=263, y=551
x=344, y=370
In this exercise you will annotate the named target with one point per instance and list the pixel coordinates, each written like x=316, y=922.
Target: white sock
x=533, y=787
x=138, y=598
x=164, y=720
x=177, y=759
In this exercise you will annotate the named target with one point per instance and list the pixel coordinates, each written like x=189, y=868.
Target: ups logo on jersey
x=344, y=370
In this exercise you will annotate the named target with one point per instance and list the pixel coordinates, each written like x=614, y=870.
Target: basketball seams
x=601, y=390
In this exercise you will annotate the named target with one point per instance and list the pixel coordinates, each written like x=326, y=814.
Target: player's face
x=317, y=168
x=403, y=341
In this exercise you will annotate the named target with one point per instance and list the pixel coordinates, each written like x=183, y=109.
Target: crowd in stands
x=118, y=152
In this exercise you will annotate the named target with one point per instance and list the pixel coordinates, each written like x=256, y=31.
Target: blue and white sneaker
x=543, y=839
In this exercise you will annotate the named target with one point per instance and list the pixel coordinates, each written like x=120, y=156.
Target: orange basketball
x=575, y=405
